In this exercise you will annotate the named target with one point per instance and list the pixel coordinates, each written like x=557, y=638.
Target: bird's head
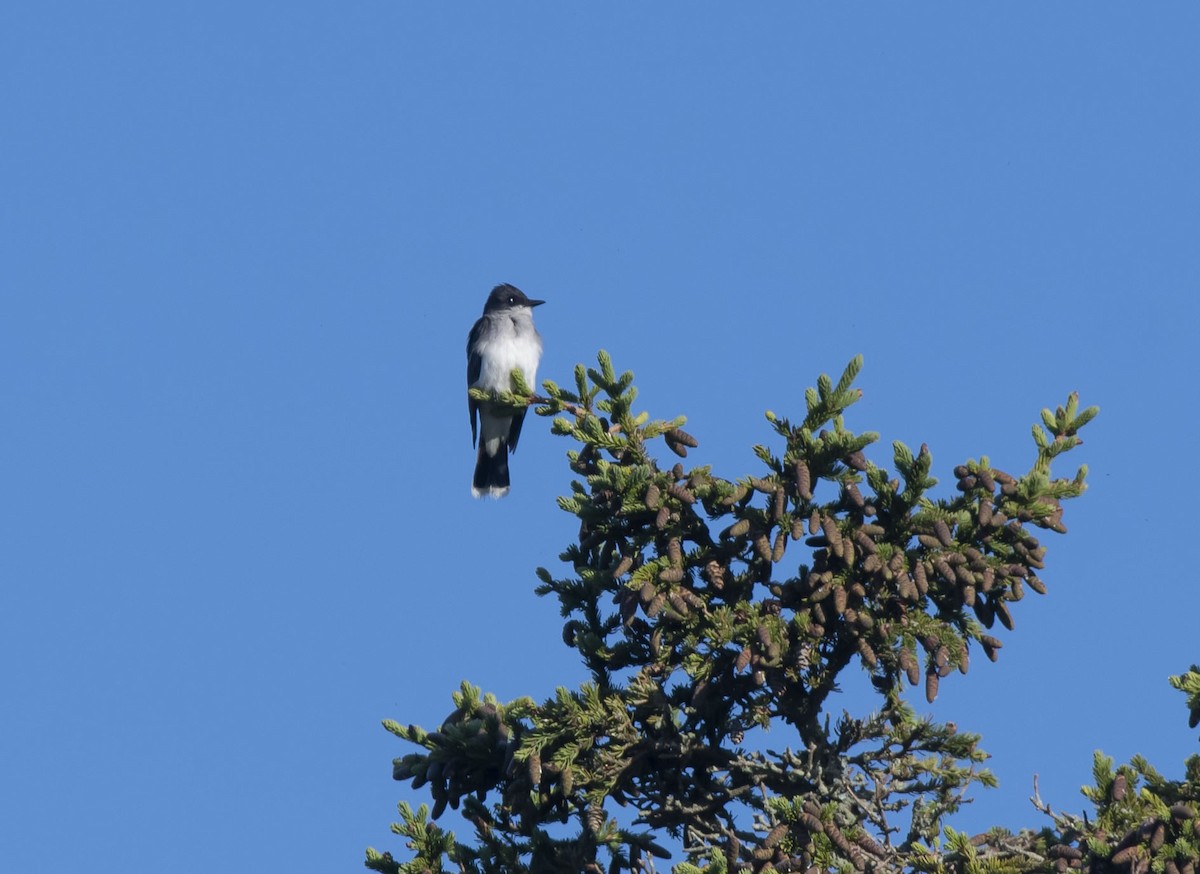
x=508, y=297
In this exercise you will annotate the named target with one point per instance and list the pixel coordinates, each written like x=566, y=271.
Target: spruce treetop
x=707, y=609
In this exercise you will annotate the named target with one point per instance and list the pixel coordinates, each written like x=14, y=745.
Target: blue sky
x=240, y=250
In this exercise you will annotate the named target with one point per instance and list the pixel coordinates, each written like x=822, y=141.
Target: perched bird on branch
x=504, y=339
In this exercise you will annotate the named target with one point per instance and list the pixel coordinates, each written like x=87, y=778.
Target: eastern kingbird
x=503, y=340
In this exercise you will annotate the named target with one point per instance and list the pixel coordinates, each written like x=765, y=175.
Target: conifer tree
x=707, y=609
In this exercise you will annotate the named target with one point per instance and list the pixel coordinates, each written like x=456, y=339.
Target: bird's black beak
x=534, y=303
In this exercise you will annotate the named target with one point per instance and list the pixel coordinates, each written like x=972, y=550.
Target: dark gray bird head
x=508, y=297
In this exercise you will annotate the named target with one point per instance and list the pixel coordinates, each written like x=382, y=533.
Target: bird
x=504, y=339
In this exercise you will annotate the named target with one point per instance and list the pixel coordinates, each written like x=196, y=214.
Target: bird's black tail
x=491, y=472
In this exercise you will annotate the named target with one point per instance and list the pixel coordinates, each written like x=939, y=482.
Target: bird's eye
x=511, y=299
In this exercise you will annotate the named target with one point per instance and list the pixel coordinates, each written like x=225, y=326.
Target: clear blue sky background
x=240, y=249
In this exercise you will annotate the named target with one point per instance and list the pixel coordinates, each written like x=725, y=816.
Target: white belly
x=501, y=354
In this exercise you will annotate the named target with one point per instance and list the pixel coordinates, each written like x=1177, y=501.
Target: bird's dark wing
x=514, y=430
x=474, y=366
